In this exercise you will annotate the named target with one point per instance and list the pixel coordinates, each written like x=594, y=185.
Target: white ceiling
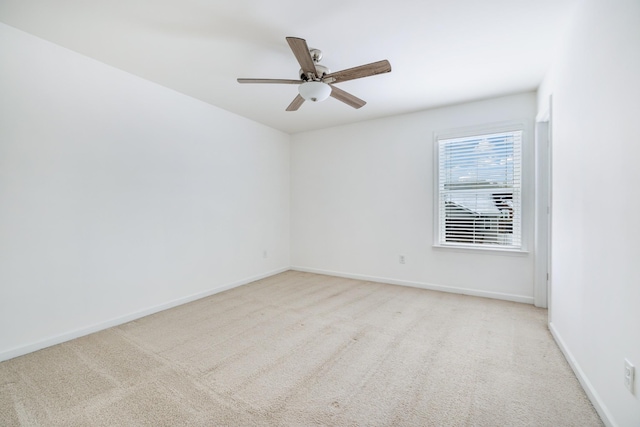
x=442, y=52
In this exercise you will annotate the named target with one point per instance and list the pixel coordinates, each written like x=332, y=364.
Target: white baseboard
x=429, y=286
x=80, y=332
x=592, y=394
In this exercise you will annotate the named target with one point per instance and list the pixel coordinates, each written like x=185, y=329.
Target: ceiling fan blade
x=282, y=81
x=358, y=72
x=296, y=103
x=301, y=52
x=346, y=97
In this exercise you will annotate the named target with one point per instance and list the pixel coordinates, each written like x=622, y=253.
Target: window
x=479, y=191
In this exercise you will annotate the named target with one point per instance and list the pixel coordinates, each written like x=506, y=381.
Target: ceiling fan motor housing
x=321, y=71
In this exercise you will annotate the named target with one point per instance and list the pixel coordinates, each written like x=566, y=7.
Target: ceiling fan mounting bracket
x=316, y=54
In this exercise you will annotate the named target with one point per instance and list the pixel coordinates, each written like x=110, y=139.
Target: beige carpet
x=300, y=349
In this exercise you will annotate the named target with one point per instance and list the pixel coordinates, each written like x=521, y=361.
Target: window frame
x=468, y=133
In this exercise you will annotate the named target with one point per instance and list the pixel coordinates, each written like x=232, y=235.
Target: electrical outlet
x=264, y=254
x=401, y=259
x=629, y=376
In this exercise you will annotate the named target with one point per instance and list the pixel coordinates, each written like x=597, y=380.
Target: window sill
x=476, y=250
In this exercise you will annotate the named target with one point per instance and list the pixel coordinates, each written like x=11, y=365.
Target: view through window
x=479, y=190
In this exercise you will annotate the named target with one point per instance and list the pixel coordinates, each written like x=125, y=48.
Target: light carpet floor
x=301, y=349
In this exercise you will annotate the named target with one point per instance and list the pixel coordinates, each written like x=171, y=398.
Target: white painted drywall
x=119, y=196
x=595, y=292
x=362, y=194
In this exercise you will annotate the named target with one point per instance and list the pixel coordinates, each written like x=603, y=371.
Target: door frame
x=543, y=187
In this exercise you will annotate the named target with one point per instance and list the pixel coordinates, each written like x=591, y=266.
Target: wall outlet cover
x=629, y=376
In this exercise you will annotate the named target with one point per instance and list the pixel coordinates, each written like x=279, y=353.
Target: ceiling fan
x=317, y=81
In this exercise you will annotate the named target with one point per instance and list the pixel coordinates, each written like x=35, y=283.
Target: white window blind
x=479, y=190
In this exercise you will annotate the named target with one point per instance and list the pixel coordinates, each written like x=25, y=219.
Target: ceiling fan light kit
x=317, y=82
x=314, y=91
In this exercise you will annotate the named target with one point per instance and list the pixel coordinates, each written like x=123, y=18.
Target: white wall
x=595, y=294
x=119, y=197
x=362, y=194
